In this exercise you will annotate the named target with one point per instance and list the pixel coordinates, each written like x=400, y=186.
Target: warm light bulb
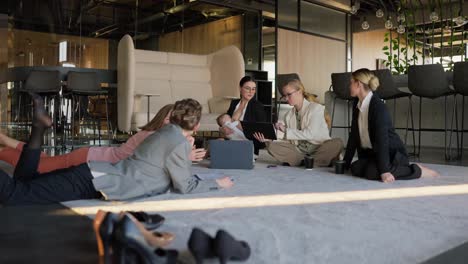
x=365, y=25
x=379, y=13
x=434, y=16
x=388, y=24
x=401, y=18
x=401, y=29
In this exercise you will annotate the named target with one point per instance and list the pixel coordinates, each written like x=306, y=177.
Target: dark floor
x=46, y=234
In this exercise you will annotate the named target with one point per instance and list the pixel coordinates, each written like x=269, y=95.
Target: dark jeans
x=29, y=187
x=366, y=167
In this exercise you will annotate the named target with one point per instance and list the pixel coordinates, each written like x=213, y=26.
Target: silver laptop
x=231, y=154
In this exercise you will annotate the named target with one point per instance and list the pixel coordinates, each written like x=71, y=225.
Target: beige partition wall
x=313, y=58
x=204, y=39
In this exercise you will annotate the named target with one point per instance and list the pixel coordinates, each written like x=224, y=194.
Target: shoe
x=200, y=245
x=226, y=247
x=131, y=238
x=150, y=222
x=104, y=225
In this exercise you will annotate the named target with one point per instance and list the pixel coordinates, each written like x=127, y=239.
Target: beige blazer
x=313, y=126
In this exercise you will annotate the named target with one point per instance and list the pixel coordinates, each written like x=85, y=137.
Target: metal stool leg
x=420, y=114
x=462, y=126
x=109, y=128
x=72, y=121
x=99, y=124
x=333, y=116
x=447, y=156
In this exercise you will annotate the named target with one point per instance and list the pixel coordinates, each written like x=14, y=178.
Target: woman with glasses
x=246, y=108
x=305, y=130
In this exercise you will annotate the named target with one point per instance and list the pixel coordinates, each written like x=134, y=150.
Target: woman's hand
x=225, y=182
x=197, y=154
x=226, y=131
x=191, y=140
x=260, y=137
x=387, y=177
x=281, y=127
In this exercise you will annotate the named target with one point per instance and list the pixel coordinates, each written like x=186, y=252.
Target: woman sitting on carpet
x=381, y=153
x=305, y=129
x=11, y=153
x=157, y=165
x=246, y=109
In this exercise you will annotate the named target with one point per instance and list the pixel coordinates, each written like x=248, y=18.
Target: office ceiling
x=114, y=18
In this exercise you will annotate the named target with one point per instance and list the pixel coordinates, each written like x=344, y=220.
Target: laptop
x=231, y=154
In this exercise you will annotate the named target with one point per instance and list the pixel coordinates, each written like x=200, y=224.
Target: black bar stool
x=460, y=84
x=430, y=81
x=48, y=85
x=81, y=85
x=340, y=88
x=389, y=91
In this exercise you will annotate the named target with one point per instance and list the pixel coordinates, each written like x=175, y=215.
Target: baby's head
x=223, y=119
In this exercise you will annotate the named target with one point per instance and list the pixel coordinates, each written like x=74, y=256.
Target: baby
x=225, y=120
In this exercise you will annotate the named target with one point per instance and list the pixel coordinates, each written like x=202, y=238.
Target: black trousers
x=28, y=187
x=366, y=167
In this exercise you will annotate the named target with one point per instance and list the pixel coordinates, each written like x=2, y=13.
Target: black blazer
x=385, y=142
x=255, y=111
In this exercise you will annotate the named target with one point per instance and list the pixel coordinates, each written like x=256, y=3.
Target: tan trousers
x=323, y=156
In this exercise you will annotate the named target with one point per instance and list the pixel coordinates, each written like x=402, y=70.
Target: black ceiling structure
x=113, y=18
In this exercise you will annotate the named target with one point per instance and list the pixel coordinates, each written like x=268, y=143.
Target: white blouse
x=363, y=121
x=241, y=118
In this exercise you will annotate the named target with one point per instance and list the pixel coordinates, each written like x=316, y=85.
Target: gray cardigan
x=160, y=162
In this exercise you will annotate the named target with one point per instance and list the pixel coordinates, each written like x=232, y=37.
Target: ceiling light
x=365, y=25
x=355, y=7
x=401, y=18
x=401, y=29
x=388, y=23
x=379, y=13
x=434, y=16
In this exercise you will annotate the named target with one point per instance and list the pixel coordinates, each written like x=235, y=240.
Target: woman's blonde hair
x=158, y=120
x=298, y=86
x=186, y=114
x=367, y=78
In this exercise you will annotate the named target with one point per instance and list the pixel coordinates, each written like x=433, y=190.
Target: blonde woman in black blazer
x=381, y=153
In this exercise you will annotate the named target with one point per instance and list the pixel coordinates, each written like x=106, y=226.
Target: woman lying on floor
x=305, y=130
x=381, y=153
x=156, y=166
x=12, y=150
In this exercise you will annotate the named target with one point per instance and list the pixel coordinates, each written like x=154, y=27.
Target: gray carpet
x=289, y=215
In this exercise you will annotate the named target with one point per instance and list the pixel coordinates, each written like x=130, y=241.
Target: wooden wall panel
x=313, y=58
x=29, y=48
x=367, y=48
x=204, y=39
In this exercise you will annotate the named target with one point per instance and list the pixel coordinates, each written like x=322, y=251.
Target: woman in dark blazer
x=246, y=108
x=381, y=153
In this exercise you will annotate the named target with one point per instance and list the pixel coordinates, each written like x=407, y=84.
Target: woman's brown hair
x=186, y=114
x=158, y=120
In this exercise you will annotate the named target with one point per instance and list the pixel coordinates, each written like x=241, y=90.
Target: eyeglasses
x=289, y=94
x=249, y=89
